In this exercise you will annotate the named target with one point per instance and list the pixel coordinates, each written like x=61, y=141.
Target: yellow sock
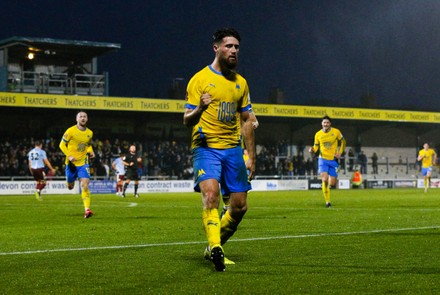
x=211, y=224
x=326, y=191
x=426, y=182
x=85, y=195
x=228, y=227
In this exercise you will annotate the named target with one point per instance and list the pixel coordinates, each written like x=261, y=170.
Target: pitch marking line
x=204, y=242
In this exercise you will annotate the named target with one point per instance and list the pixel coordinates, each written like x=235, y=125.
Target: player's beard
x=228, y=64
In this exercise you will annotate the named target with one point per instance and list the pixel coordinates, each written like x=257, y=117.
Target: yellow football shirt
x=219, y=125
x=328, y=143
x=77, y=144
x=428, y=157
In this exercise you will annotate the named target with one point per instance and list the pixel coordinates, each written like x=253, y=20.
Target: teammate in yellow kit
x=330, y=143
x=428, y=157
x=76, y=145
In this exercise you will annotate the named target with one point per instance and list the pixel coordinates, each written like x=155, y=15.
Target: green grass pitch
x=369, y=242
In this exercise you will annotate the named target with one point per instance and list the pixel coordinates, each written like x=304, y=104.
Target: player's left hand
x=250, y=166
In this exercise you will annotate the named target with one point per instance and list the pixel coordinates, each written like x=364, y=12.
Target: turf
x=369, y=242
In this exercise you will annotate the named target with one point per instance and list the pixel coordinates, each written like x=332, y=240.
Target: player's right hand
x=205, y=100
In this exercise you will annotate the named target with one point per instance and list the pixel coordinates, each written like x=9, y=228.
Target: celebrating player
x=331, y=144
x=217, y=101
x=76, y=145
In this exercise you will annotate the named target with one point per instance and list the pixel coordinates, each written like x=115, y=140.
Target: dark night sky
x=323, y=50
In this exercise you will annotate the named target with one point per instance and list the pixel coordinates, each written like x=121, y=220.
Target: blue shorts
x=226, y=166
x=329, y=166
x=425, y=171
x=79, y=172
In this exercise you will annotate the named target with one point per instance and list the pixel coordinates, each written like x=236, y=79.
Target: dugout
x=54, y=66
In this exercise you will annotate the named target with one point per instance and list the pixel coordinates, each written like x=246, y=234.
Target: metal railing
x=56, y=83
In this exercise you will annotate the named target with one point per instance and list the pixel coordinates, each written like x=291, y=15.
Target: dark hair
x=326, y=117
x=225, y=32
x=37, y=142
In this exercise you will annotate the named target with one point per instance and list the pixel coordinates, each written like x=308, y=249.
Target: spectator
x=374, y=160
x=145, y=162
x=362, y=159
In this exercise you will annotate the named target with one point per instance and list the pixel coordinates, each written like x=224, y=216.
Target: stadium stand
x=169, y=159
x=393, y=161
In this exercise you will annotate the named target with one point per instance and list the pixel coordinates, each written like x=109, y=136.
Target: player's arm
x=90, y=151
x=125, y=163
x=247, y=131
x=420, y=157
x=128, y=164
x=192, y=115
x=253, y=119
x=63, y=146
x=47, y=163
x=341, y=147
